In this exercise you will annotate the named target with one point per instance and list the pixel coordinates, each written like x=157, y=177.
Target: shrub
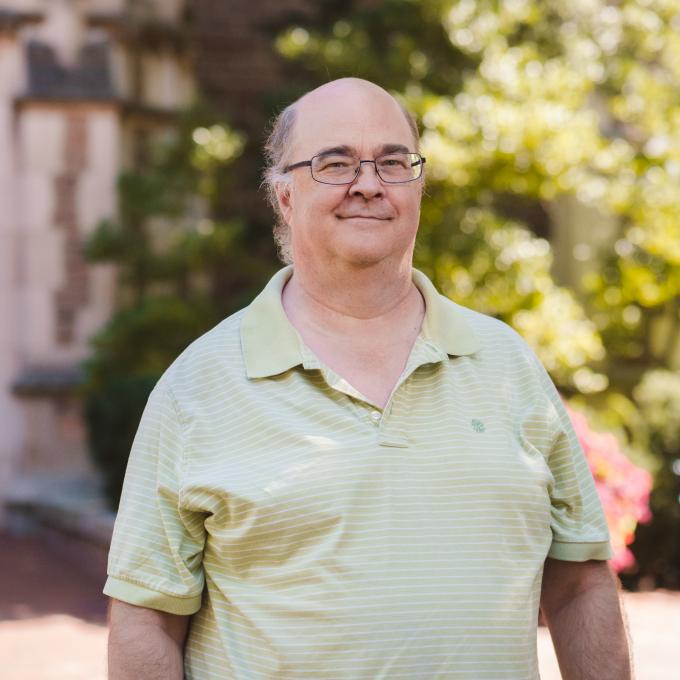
x=623, y=487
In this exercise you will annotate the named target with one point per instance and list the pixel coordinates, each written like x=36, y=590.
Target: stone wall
x=81, y=82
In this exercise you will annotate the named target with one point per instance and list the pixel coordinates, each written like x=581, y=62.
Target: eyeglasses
x=392, y=168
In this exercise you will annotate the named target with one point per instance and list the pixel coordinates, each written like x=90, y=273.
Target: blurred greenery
x=656, y=544
x=523, y=104
x=182, y=267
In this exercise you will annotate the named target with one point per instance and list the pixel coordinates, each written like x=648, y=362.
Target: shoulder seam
x=180, y=423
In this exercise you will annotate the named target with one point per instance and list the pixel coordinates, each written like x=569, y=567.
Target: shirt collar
x=271, y=345
x=445, y=323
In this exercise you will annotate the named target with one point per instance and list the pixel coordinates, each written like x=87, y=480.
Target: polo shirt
x=313, y=534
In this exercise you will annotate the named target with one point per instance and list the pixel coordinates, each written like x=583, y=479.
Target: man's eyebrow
x=394, y=148
x=345, y=150
x=342, y=150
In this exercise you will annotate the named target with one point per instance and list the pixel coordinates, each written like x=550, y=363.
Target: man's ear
x=283, y=196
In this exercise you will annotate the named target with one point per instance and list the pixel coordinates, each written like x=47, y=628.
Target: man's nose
x=367, y=182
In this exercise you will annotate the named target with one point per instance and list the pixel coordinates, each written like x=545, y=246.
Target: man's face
x=368, y=221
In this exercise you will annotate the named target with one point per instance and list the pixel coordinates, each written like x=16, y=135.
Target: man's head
x=365, y=220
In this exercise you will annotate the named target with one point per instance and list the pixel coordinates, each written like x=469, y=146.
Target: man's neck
x=356, y=302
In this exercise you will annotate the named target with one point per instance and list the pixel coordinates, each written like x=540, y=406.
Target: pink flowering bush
x=623, y=487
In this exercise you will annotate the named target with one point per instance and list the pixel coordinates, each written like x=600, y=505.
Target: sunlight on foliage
x=216, y=144
x=524, y=103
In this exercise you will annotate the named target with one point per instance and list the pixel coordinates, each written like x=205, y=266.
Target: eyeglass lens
x=342, y=169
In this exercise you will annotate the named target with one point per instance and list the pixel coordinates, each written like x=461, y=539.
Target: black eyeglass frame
x=301, y=164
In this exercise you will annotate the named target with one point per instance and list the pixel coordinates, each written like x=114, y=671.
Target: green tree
x=523, y=103
x=182, y=267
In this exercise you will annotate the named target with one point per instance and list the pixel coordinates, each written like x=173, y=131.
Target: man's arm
x=145, y=643
x=580, y=602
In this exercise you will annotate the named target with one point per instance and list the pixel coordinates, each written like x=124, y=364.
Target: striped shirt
x=314, y=535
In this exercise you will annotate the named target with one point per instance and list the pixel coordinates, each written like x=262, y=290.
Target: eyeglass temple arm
x=301, y=164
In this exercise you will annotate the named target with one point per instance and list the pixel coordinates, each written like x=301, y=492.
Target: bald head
x=342, y=87
x=330, y=99
x=293, y=132
x=344, y=93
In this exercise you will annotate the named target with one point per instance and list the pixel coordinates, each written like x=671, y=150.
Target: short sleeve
x=578, y=524
x=155, y=559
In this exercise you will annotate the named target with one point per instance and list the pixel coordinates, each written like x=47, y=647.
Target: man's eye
x=335, y=163
x=393, y=163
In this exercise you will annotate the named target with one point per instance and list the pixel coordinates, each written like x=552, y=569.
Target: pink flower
x=623, y=487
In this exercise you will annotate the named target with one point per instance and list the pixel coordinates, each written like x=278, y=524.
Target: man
x=355, y=478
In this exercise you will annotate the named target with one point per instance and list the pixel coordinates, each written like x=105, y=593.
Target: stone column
x=69, y=113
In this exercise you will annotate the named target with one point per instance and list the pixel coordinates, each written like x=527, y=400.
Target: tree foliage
x=181, y=268
x=525, y=104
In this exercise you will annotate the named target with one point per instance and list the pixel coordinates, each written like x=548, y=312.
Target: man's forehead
x=350, y=150
x=350, y=112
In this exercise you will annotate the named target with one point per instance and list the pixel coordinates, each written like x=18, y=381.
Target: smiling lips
x=365, y=217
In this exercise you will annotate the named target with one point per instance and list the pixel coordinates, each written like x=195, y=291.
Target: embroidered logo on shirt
x=477, y=425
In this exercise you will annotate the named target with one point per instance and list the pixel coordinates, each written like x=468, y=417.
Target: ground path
x=53, y=621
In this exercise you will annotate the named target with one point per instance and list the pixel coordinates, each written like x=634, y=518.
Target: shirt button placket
x=376, y=416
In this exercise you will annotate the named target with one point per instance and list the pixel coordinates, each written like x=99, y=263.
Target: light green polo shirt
x=315, y=535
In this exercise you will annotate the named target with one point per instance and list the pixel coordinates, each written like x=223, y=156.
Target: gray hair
x=277, y=151
x=277, y=157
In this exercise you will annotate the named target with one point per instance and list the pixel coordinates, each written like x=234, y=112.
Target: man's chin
x=363, y=255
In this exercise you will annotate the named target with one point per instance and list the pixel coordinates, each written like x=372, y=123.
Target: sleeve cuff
x=580, y=552
x=142, y=596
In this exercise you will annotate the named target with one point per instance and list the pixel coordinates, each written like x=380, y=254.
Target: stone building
x=82, y=84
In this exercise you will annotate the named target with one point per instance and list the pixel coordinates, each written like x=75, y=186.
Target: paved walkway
x=52, y=615
x=53, y=621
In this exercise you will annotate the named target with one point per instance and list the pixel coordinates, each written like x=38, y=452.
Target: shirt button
x=375, y=415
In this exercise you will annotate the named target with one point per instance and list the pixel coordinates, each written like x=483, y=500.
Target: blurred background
x=131, y=221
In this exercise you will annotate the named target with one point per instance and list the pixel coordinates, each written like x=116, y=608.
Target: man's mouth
x=363, y=217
